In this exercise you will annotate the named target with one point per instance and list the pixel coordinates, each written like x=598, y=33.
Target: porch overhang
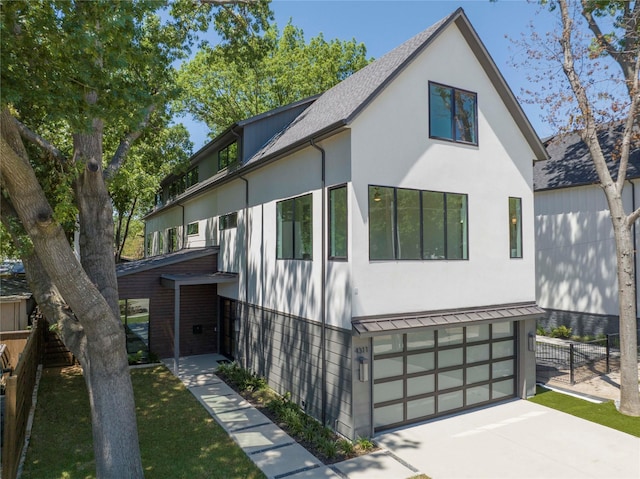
x=174, y=281
x=402, y=323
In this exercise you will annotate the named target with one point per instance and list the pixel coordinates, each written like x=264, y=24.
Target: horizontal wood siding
x=286, y=351
x=197, y=306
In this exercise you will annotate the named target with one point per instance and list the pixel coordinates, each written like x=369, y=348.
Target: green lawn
x=605, y=413
x=178, y=438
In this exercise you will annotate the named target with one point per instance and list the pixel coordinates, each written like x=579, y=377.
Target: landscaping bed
x=328, y=446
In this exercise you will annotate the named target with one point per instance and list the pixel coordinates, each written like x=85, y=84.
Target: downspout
x=246, y=270
x=635, y=242
x=323, y=285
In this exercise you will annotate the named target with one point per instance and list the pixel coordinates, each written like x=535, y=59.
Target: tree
x=597, y=37
x=227, y=83
x=75, y=73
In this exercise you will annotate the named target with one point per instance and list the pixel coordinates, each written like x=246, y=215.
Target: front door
x=227, y=322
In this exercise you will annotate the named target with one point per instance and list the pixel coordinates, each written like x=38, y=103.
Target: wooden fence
x=25, y=353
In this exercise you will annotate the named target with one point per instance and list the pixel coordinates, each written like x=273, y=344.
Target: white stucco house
x=575, y=248
x=375, y=252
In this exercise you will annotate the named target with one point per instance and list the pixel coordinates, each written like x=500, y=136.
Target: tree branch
x=125, y=145
x=629, y=126
x=227, y=2
x=36, y=139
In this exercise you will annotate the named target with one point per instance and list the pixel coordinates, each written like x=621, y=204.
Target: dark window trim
x=293, y=232
x=395, y=222
x=228, y=221
x=229, y=163
x=329, y=256
x=511, y=255
x=197, y=228
x=453, y=140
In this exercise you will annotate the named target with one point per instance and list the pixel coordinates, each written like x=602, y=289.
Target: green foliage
x=243, y=379
x=225, y=84
x=346, y=447
x=561, y=332
x=540, y=331
x=364, y=444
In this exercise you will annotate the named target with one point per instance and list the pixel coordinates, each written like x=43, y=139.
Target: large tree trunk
x=105, y=366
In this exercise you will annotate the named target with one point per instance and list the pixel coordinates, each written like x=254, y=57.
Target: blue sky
x=384, y=24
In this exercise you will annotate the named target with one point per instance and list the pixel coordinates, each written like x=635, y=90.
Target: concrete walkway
x=277, y=454
x=516, y=439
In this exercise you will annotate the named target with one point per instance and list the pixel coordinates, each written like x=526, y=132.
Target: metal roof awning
x=173, y=281
x=402, y=323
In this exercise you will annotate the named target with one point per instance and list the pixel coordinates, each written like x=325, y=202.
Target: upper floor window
x=414, y=224
x=294, y=228
x=453, y=114
x=193, y=228
x=515, y=227
x=172, y=240
x=338, y=222
x=228, y=221
x=228, y=155
x=191, y=177
x=149, y=248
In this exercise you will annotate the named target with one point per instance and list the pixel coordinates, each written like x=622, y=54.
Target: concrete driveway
x=515, y=440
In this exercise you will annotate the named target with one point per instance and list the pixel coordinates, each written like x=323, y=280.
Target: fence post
x=608, y=354
x=572, y=374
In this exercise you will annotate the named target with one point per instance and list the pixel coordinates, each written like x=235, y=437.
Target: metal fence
x=572, y=361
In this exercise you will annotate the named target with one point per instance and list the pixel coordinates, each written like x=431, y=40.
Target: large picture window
x=338, y=222
x=515, y=227
x=295, y=228
x=414, y=224
x=452, y=114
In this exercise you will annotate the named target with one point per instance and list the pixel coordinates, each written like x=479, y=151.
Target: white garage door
x=430, y=373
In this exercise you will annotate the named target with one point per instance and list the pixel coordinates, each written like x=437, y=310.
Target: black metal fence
x=572, y=361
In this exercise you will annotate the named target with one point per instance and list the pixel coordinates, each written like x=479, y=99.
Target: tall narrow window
x=456, y=226
x=294, y=228
x=172, y=240
x=453, y=114
x=382, y=225
x=408, y=218
x=515, y=227
x=338, y=223
x=149, y=248
x=433, y=214
x=228, y=155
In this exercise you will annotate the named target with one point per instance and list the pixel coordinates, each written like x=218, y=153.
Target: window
x=149, y=248
x=172, y=240
x=228, y=155
x=452, y=114
x=193, y=228
x=294, y=228
x=191, y=178
x=414, y=224
x=160, y=242
x=515, y=227
x=228, y=221
x=338, y=223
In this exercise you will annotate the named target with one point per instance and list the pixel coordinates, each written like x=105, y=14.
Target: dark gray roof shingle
x=570, y=163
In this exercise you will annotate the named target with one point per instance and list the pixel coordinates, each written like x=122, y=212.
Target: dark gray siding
x=581, y=324
x=286, y=351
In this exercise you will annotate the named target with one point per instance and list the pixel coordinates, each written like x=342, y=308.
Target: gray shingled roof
x=340, y=104
x=152, y=262
x=570, y=163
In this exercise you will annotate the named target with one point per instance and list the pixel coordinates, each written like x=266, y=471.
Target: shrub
x=561, y=332
x=540, y=331
x=364, y=444
x=242, y=378
x=328, y=447
x=347, y=447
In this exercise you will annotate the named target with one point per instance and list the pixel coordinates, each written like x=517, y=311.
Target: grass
x=605, y=413
x=178, y=438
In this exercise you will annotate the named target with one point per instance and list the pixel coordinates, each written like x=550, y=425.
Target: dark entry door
x=227, y=322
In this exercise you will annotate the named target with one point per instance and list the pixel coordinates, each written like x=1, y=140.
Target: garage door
x=431, y=373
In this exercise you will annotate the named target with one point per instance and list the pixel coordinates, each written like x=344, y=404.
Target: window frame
x=227, y=162
x=293, y=200
x=330, y=255
x=453, y=115
x=394, y=218
x=191, y=226
x=515, y=229
x=228, y=221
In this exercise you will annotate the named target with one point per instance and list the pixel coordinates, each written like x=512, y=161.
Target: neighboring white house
x=575, y=248
x=382, y=237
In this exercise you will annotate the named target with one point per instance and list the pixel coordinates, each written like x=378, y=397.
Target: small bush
x=540, y=331
x=561, y=332
x=364, y=444
x=328, y=447
x=243, y=379
x=346, y=446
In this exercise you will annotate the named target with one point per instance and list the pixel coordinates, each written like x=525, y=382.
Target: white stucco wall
x=575, y=250
x=391, y=147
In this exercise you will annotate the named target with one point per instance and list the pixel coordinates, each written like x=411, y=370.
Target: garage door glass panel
x=478, y=374
x=387, y=344
x=388, y=415
x=387, y=391
x=385, y=368
x=478, y=394
x=420, y=408
x=450, y=336
x=477, y=333
x=450, y=357
x=450, y=379
x=420, y=363
x=502, y=369
x=420, y=385
x=478, y=353
x=502, y=330
x=503, y=389
x=421, y=340
x=449, y=401
x=502, y=349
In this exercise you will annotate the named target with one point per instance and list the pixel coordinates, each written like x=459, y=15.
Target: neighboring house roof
x=341, y=104
x=124, y=269
x=13, y=289
x=570, y=162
